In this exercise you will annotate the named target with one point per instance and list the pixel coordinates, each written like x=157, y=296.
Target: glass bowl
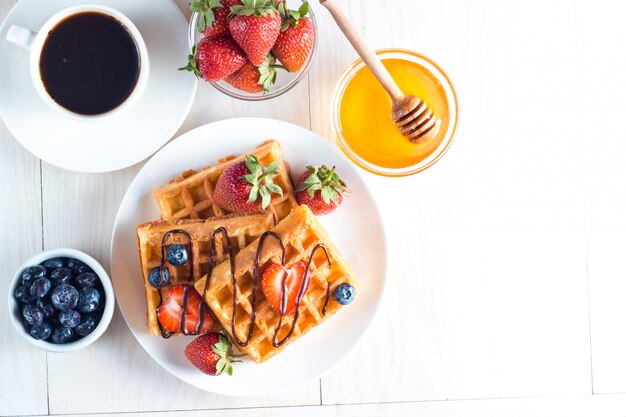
x=450, y=95
x=285, y=80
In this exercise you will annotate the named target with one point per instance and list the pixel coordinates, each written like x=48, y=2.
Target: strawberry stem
x=265, y=175
x=329, y=177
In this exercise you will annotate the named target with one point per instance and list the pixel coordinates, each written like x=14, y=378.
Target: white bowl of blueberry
x=61, y=300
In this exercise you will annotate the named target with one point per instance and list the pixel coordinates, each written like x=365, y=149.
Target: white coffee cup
x=33, y=42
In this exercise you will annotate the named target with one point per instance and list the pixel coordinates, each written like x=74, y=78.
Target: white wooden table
x=507, y=278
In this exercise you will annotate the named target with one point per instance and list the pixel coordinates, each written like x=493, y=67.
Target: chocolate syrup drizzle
x=283, y=301
x=166, y=334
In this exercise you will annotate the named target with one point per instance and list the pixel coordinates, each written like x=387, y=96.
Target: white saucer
x=112, y=144
x=355, y=227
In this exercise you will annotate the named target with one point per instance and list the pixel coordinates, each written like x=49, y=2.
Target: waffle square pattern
x=300, y=233
x=190, y=196
x=197, y=238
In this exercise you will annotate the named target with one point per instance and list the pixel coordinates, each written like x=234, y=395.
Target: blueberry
x=41, y=332
x=32, y=315
x=54, y=263
x=22, y=294
x=88, y=279
x=69, y=318
x=61, y=276
x=40, y=287
x=46, y=307
x=64, y=297
x=30, y=274
x=156, y=275
x=344, y=294
x=87, y=325
x=177, y=255
x=77, y=267
x=62, y=334
x=89, y=300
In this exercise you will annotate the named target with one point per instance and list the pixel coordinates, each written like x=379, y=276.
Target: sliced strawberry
x=272, y=283
x=211, y=353
x=169, y=312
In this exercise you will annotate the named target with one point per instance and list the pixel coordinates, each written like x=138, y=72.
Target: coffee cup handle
x=21, y=36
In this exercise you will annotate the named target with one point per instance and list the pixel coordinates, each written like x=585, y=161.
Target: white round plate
x=114, y=143
x=355, y=227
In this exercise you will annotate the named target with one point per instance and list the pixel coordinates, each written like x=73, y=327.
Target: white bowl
x=107, y=314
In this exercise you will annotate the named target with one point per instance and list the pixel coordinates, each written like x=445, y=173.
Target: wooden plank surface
x=602, y=63
x=488, y=295
x=571, y=406
x=84, y=219
x=506, y=273
x=20, y=238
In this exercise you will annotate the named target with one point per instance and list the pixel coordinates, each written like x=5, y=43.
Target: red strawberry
x=295, y=42
x=255, y=25
x=246, y=78
x=215, y=58
x=321, y=189
x=254, y=79
x=272, y=283
x=169, y=312
x=211, y=354
x=241, y=185
x=213, y=16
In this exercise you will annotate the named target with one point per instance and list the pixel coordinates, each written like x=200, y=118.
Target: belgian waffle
x=190, y=196
x=300, y=232
x=241, y=229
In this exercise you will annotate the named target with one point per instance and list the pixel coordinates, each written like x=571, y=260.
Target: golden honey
x=363, y=123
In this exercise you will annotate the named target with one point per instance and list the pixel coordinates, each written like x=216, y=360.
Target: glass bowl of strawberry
x=251, y=49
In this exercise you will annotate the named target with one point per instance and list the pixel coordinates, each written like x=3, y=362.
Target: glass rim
x=192, y=32
x=451, y=96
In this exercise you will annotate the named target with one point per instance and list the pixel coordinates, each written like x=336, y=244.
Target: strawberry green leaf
x=326, y=195
x=253, y=194
x=304, y=9
x=205, y=9
x=221, y=365
x=223, y=349
x=261, y=180
x=292, y=17
x=268, y=73
x=334, y=196
x=275, y=188
x=273, y=167
x=253, y=7
x=252, y=178
x=265, y=197
x=192, y=64
x=326, y=180
x=253, y=165
x=312, y=189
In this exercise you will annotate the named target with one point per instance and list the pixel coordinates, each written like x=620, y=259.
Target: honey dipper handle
x=363, y=49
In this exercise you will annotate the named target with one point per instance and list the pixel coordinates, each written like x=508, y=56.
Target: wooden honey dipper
x=412, y=116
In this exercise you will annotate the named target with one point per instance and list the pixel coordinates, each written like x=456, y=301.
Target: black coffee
x=89, y=63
